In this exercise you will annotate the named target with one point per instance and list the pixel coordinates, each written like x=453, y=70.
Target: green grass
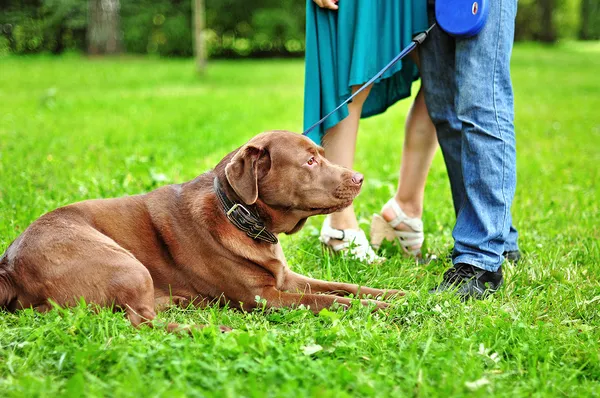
x=73, y=128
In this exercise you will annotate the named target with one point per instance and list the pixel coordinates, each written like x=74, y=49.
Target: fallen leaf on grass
x=311, y=349
x=477, y=384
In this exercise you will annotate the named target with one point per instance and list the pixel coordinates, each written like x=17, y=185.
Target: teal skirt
x=349, y=46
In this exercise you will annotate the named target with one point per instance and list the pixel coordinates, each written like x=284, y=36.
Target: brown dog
x=190, y=243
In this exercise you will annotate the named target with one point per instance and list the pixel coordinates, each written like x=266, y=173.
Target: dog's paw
x=377, y=305
x=222, y=328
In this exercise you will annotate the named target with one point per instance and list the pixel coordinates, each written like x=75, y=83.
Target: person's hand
x=331, y=4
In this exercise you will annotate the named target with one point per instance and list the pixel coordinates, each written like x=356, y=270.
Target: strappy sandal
x=381, y=229
x=354, y=243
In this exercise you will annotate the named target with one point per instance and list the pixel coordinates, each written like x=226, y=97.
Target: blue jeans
x=469, y=96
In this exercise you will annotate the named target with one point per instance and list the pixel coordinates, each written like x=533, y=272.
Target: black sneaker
x=470, y=281
x=513, y=256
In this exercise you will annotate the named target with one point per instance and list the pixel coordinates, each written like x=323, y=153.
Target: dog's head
x=287, y=175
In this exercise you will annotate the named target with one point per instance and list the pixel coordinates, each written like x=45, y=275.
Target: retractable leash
x=458, y=18
x=418, y=39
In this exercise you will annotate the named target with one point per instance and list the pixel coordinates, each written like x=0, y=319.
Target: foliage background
x=235, y=28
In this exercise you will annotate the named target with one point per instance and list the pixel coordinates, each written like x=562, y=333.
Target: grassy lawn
x=73, y=128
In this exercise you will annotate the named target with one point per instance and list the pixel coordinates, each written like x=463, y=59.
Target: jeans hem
x=467, y=259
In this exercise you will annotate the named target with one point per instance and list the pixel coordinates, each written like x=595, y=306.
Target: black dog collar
x=244, y=219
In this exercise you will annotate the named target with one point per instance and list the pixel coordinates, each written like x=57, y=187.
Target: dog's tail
x=7, y=289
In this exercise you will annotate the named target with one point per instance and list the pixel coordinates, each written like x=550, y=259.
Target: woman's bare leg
x=420, y=144
x=340, y=145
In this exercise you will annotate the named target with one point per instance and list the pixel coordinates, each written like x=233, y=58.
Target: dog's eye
x=311, y=161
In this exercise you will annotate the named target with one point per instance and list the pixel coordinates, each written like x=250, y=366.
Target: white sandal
x=381, y=229
x=354, y=243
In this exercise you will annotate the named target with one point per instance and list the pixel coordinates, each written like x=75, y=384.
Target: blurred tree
x=199, y=26
x=104, y=35
x=590, y=20
x=548, y=29
x=158, y=27
x=260, y=28
x=65, y=22
x=234, y=28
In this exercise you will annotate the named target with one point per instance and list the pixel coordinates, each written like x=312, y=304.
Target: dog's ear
x=242, y=173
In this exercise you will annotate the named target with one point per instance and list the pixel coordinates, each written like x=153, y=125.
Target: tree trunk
x=59, y=47
x=590, y=18
x=198, y=29
x=584, y=28
x=103, y=33
x=548, y=31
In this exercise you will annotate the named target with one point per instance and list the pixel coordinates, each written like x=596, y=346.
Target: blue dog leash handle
x=462, y=18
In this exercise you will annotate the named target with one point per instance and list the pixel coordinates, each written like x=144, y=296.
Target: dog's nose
x=357, y=178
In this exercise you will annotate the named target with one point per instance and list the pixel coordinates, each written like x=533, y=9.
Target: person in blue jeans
x=468, y=93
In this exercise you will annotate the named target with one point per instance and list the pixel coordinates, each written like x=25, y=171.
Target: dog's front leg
x=302, y=284
x=316, y=302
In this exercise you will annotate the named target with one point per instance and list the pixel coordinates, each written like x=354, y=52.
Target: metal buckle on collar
x=243, y=218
